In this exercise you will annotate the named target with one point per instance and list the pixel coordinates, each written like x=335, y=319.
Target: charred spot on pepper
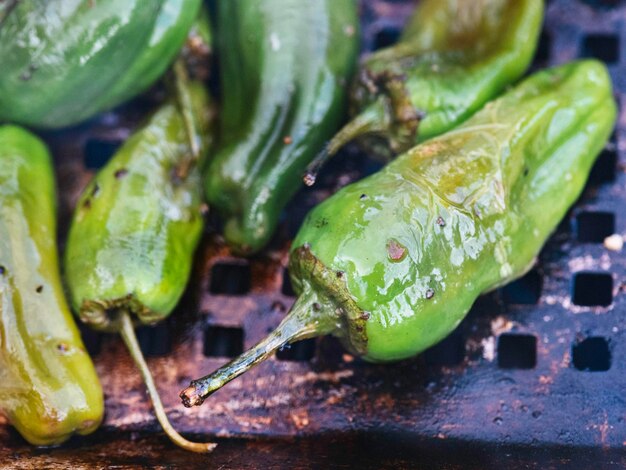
x=119, y=174
x=3, y=270
x=322, y=222
x=317, y=306
x=63, y=347
x=95, y=190
x=365, y=315
x=396, y=251
x=340, y=274
x=39, y=289
x=430, y=293
x=441, y=222
x=28, y=73
x=362, y=197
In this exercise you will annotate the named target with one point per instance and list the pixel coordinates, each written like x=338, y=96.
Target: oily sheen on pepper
x=391, y=264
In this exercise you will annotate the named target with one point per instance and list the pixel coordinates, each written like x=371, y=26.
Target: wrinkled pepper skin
x=392, y=263
x=49, y=389
x=138, y=222
x=63, y=61
x=463, y=213
x=453, y=57
x=284, y=64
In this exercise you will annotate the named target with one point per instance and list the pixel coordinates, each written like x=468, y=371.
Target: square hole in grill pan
x=222, y=341
x=517, y=351
x=604, y=169
x=542, y=55
x=592, y=354
x=287, y=288
x=592, y=289
x=155, y=340
x=604, y=47
x=603, y=3
x=593, y=226
x=98, y=152
x=386, y=36
x=448, y=352
x=91, y=338
x=525, y=291
x=301, y=351
x=230, y=279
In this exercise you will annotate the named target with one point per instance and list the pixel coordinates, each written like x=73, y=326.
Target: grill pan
x=534, y=377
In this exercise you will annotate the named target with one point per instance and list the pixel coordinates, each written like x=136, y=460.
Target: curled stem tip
x=299, y=324
x=128, y=335
x=372, y=120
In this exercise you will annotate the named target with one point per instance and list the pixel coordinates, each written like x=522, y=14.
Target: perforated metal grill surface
x=536, y=373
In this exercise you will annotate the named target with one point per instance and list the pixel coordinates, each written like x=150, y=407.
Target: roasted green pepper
x=65, y=61
x=283, y=64
x=453, y=57
x=135, y=229
x=392, y=264
x=49, y=389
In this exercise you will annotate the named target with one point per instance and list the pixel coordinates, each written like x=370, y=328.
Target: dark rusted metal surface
x=533, y=378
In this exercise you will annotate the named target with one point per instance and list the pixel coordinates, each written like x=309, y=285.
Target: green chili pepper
x=131, y=242
x=283, y=66
x=453, y=57
x=65, y=61
x=48, y=386
x=392, y=264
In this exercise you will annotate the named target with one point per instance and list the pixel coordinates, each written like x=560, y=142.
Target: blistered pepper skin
x=65, y=61
x=462, y=213
x=284, y=67
x=391, y=264
x=138, y=222
x=453, y=57
x=49, y=389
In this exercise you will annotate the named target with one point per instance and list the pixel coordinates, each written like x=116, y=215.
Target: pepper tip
x=191, y=397
x=309, y=178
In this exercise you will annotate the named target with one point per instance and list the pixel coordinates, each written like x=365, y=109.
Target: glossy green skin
x=63, y=61
x=453, y=57
x=48, y=385
x=500, y=183
x=283, y=66
x=137, y=224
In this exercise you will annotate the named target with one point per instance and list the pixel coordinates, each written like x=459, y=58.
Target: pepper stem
x=301, y=322
x=185, y=106
x=128, y=335
x=373, y=119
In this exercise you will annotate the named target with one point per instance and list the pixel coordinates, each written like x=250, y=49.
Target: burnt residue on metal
x=376, y=449
x=539, y=407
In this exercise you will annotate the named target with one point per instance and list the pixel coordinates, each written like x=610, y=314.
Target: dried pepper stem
x=128, y=335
